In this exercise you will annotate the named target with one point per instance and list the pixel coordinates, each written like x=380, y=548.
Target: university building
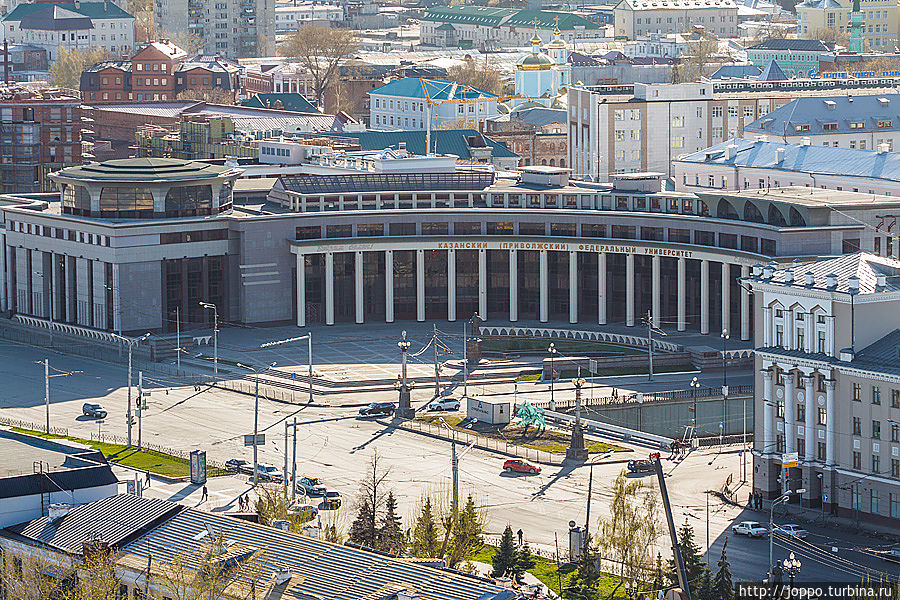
x=828, y=383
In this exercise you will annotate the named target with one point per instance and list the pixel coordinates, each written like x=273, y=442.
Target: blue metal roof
x=876, y=113
x=438, y=89
x=792, y=45
x=736, y=72
x=772, y=72
x=320, y=569
x=93, y=10
x=807, y=159
x=443, y=141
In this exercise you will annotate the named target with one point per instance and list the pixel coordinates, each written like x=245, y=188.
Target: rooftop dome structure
x=535, y=62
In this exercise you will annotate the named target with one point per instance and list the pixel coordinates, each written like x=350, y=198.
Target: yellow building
x=880, y=20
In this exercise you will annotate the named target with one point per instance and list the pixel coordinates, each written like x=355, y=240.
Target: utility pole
x=47, y=391
x=650, y=344
x=178, y=337
x=128, y=412
x=437, y=373
x=140, y=406
x=255, y=428
x=454, y=463
x=587, y=516
x=294, y=464
x=286, y=459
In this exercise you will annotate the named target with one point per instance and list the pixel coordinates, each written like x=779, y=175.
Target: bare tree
x=697, y=62
x=832, y=35
x=321, y=50
x=482, y=75
x=39, y=574
x=213, y=96
x=66, y=69
x=211, y=573
x=458, y=123
x=373, y=494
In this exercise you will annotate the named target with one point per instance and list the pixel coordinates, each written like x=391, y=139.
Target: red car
x=520, y=466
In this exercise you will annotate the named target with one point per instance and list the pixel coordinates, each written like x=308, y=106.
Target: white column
x=789, y=329
x=544, y=283
x=726, y=296
x=767, y=327
x=745, y=306
x=601, y=288
x=420, y=285
x=829, y=335
x=809, y=429
x=809, y=337
x=629, y=290
x=829, y=422
x=329, y=288
x=301, y=291
x=682, y=293
x=513, y=286
x=482, y=284
x=790, y=405
x=389, y=286
x=655, y=291
x=768, y=414
x=451, y=285
x=573, y=286
x=704, y=296
x=358, y=286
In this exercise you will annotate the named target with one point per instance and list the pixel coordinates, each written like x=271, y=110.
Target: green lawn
x=550, y=440
x=511, y=344
x=146, y=460
x=546, y=572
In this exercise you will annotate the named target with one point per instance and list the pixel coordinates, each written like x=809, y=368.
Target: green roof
x=445, y=27
x=438, y=89
x=512, y=17
x=449, y=141
x=145, y=169
x=93, y=10
x=289, y=101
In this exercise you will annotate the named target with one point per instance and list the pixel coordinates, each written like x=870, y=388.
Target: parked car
x=268, y=472
x=332, y=500
x=303, y=511
x=239, y=466
x=312, y=486
x=517, y=465
x=750, y=529
x=892, y=554
x=91, y=409
x=640, y=466
x=378, y=409
x=444, y=404
x=794, y=531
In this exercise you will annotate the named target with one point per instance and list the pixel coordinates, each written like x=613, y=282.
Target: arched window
x=544, y=162
x=797, y=219
x=189, y=201
x=552, y=160
x=725, y=210
x=751, y=213
x=775, y=216
x=562, y=162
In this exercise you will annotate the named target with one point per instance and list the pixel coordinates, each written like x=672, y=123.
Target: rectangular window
x=857, y=426
x=876, y=502
x=779, y=443
x=821, y=416
x=857, y=461
x=895, y=467
x=876, y=463
x=876, y=395
x=895, y=398
x=895, y=505
x=801, y=413
x=374, y=229
x=402, y=229
x=856, y=392
x=820, y=451
x=435, y=228
x=876, y=430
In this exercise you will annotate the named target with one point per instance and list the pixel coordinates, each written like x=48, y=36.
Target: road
x=334, y=444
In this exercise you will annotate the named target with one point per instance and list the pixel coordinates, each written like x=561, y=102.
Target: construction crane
x=461, y=90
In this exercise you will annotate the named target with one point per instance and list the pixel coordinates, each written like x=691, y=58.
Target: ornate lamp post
x=576, y=450
x=552, y=351
x=404, y=409
x=791, y=567
x=695, y=385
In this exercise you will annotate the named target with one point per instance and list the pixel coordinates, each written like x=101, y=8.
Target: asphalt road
x=335, y=445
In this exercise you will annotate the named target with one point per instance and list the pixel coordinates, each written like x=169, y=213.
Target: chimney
x=77, y=4
x=883, y=148
x=779, y=155
x=789, y=276
x=809, y=278
x=853, y=283
x=730, y=150
x=757, y=269
x=881, y=281
x=831, y=280
x=94, y=547
x=282, y=576
x=768, y=271
x=804, y=141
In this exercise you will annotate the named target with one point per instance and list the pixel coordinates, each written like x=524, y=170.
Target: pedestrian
x=148, y=479
x=521, y=535
x=205, y=494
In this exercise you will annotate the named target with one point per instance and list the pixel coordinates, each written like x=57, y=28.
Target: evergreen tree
x=505, y=559
x=390, y=533
x=424, y=542
x=362, y=530
x=723, y=588
x=694, y=566
x=703, y=590
x=587, y=575
x=524, y=562
x=659, y=581
x=466, y=535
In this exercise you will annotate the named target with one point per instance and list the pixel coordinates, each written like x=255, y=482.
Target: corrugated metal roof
x=67, y=479
x=387, y=182
x=867, y=267
x=94, y=10
x=799, y=158
x=328, y=570
x=883, y=353
x=114, y=520
x=443, y=141
x=809, y=115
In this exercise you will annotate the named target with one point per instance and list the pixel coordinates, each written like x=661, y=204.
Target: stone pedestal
x=404, y=408
x=576, y=449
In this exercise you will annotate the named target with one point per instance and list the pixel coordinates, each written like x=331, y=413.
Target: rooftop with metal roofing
x=809, y=115
x=875, y=274
x=146, y=169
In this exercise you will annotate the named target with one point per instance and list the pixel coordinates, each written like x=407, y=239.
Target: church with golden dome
x=542, y=77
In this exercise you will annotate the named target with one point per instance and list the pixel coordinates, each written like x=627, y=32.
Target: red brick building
x=40, y=132
x=149, y=75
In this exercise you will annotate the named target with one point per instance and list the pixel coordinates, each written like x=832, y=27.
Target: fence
x=636, y=399
x=185, y=455
x=33, y=426
x=485, y=443
x=725, y=440
x=572, y=334
x=265, y=391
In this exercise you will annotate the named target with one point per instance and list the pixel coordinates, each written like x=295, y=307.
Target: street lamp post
x=211, y=306
x=576, y=450
x=256, y=415
x=725, y=337
x=404, y=408
x=308, y=338
x=131, y=343
x=552, y=351
x=791, y=567
x=475, y=318
x=695, y=385
x=782, y=498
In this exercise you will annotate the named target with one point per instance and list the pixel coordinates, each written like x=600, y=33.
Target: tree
x=694, y=567
x=188, y=41
x=272, y=504
x=630, y=530
x=524, y=562
x=144, y=23
x=66, y=69
x=723, y=588
x=831, y=35
x=321, y=50
x=362, y=530
x=659, y=581
x=481, y=75
x=466, y=535
x=371, y=500
x=697, y=62
x=587, y=574
x=424, y=542
x=390, y=534
x=458, y=123
x=202, y=575
x=213, y=96
x=504, y=561
x=704, y=587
